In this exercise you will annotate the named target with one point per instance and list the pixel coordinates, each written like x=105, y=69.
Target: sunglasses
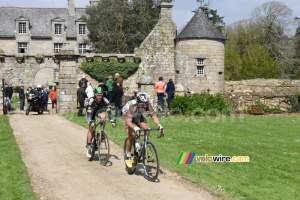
x=143, y=104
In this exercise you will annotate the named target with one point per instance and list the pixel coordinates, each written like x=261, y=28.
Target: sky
x=232, y=10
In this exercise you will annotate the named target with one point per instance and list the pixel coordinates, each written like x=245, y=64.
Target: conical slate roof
x=200, y=27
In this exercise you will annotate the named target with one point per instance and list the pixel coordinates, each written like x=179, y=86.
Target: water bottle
x=137, y=146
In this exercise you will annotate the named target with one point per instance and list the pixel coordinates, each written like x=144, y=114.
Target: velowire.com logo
x=187, y=158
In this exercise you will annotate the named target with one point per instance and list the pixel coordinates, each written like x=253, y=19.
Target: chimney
x=71, y=7
x=94, y=2
x=166, y=10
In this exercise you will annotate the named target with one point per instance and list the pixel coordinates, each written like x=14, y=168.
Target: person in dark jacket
x=104, y=89
x=9, y=94
x=45, y=98
x=22, y=98
x=81, y=95
x=83, y=80
x=5, y=91
x=117, y=97
x=170, y=90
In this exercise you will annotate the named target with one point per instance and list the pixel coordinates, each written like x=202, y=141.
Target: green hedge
x=200, y=104
x=100, y=70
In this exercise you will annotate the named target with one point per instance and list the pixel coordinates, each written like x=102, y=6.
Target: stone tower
x=200, y=50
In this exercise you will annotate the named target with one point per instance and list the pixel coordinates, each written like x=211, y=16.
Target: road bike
x=160, y=111
x=100, y=142
x=143, y=152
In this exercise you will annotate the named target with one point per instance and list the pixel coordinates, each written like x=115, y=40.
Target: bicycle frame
x=140, y=155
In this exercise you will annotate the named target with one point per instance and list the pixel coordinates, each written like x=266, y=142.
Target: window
x=22, y=48
x=22, y=27
x=82, y=48
x=58, y=30
x=200, y=70
x=200, y=66
x=82, y=29
x=200, y=61
x=57, y=47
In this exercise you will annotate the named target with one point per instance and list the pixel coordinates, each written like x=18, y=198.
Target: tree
x=118, y=26
x=233, y=65
x=258, y=63
x=212, y=14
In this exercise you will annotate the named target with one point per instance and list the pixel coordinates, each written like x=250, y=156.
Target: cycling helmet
x=38, y=86
x=98, y=91
x=142, y=97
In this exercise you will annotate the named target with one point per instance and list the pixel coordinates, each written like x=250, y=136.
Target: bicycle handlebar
x=142, y=131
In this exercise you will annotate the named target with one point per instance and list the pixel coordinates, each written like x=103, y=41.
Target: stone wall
x=270, y=92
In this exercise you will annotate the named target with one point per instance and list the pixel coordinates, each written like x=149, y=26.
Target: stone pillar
x=67, y=81
x=71, y=7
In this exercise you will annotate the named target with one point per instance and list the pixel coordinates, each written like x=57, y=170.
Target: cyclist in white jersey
x=134, y=119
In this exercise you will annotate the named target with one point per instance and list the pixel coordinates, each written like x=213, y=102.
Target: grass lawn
x=14, y=180
x=272, y=143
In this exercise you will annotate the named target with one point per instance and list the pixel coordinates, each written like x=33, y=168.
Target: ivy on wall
x=100, y=70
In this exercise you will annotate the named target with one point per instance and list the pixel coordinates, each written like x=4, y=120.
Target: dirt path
x=53, y=150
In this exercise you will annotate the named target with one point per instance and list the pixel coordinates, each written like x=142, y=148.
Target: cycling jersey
x=94, y=108
x=130, y=111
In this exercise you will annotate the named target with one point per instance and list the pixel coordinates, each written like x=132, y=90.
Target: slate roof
x=200, y=27
x=39, y=19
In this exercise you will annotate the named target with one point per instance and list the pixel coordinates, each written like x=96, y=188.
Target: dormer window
x=82, y=29
x=58, y=29
x=22, y=27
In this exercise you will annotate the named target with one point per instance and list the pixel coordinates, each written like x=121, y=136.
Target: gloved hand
x=161, y=131
x=137, y=130
x=113, y=123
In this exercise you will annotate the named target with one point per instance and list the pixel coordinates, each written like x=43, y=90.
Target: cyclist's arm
x=155, y=120
x=89, y=111
x=108, y=109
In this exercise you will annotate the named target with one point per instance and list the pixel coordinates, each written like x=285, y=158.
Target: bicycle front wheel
x=150, y=162
x=103, y=148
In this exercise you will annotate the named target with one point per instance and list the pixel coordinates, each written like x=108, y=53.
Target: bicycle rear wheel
x=103, y=148
x=150, y=162
x=133, y=157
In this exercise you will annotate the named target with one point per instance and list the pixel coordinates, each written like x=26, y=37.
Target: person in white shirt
x=89, y=90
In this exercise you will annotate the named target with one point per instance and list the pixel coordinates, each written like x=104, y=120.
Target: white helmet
x=142, y=97
x=38, y=86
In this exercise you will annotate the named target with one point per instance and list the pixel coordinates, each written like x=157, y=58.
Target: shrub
x=294, y=102
x=100, y=70
x=256, y=110
x=200, y=104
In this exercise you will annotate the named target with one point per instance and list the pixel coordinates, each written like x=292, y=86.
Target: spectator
x=109, y=84
x=170, y=90
x=160, y=90
x=22, y=98
x=119, y=80
x=9, y=94
x=117, y=97
x=53, y=96
x=45, y=98
x=104, y=89
x=81, y=95
x=133, y=94
x=89, y=90
x=83, y=80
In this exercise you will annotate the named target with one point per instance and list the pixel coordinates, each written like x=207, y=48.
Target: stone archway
x=45, y=77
